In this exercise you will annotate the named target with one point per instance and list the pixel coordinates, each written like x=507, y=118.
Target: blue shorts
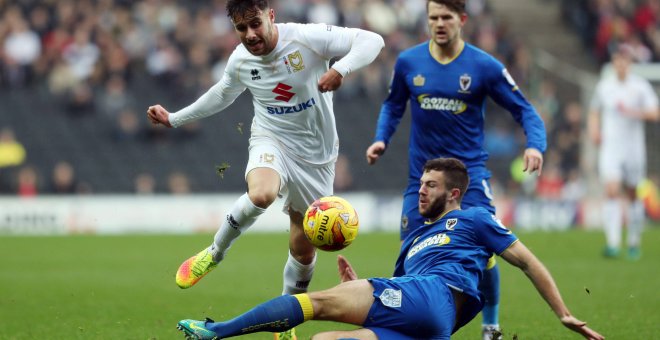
x=411, y=307
x=478, y=194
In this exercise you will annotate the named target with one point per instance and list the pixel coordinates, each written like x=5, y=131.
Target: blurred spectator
x=145, y=184
x=80, y=100
x=127, y=126
x=81, y=54
x=115, y=97
x=178, y=183
x=27, y=182
x=21, y=49
x=12, y=153
x=63, y=179
x=550, y=183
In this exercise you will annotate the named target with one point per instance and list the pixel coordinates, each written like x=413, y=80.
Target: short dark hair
x=457, y=6
x=239, y=7
x=455, y=172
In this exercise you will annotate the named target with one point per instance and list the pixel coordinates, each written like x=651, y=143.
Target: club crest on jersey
x=465, y=81
x=267, y=158
x=451, y=223
x=419, y=80
x=255, y=74
x=404, y=222
x=295, y=59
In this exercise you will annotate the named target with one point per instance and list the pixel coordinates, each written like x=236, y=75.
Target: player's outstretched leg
x=277, y=315
x=490, y=287
x=296, y=275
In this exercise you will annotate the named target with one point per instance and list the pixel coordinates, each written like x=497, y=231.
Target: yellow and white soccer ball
x=331, y=223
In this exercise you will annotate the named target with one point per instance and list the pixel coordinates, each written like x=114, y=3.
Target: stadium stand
x=79, y=95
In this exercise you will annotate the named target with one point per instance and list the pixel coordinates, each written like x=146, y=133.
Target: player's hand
x=330, y=81
x=158, y=115
x=375, y=151
x=580, y=327
x=346, y=272
x=533, y=161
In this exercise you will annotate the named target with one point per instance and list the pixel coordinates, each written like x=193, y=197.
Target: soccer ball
x=331, y=223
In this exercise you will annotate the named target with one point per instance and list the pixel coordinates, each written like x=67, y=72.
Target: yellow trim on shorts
x=491, y=263
x=306, y=306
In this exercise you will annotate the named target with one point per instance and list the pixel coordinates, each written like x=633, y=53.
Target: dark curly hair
x=239, y=7
x=455, y=172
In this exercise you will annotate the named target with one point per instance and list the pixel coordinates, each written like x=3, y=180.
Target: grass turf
x=122, y=287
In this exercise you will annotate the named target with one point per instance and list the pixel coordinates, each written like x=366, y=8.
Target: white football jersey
x=621, y=133
x=288, y=107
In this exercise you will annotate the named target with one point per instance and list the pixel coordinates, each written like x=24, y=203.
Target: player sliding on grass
x=293, y=143
x=447, y=82
x=434, y=289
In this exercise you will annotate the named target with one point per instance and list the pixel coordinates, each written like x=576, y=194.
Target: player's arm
x=216, y=99
x=391, y=112
x=356, y=47
x=518, y=255
x=504, y=91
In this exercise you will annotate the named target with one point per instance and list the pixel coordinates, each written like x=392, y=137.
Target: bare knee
x=262, y=199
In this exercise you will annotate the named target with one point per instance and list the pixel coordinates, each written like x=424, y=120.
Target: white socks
x=612, y=222
x=635, y=223
x=241, y=216
x=297, y=276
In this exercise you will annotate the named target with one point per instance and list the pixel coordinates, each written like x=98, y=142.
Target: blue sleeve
x=504, y=91
x=492, y=233
x=394, y=105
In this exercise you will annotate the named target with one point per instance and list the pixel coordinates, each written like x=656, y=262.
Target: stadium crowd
x=604, y=25
x=86, y=54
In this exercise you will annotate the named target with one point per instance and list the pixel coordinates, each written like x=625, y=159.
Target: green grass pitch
x=122, y=287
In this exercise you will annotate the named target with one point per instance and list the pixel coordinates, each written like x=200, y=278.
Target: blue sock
x=490, y=287
x=277, y=315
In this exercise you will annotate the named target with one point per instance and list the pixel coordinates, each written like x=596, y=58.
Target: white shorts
x=300, y=183
x=629, y=168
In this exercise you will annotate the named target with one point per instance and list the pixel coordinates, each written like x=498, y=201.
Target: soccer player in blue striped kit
x=434, y=289
x=447, y=82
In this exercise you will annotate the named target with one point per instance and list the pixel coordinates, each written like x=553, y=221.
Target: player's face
x=445, y=25
x=256, y=29
x=621, y=63
x=432, y=194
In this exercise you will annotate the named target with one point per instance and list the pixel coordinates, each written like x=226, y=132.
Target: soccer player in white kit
x=621, y=104
x=293, y=142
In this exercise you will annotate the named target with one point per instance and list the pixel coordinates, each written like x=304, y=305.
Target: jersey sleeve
x=504, y=91
x=216, y=99
x=356, y=47
x=394, y=106
x=492, y=233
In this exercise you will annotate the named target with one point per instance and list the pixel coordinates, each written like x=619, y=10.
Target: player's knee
x=262, y=199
